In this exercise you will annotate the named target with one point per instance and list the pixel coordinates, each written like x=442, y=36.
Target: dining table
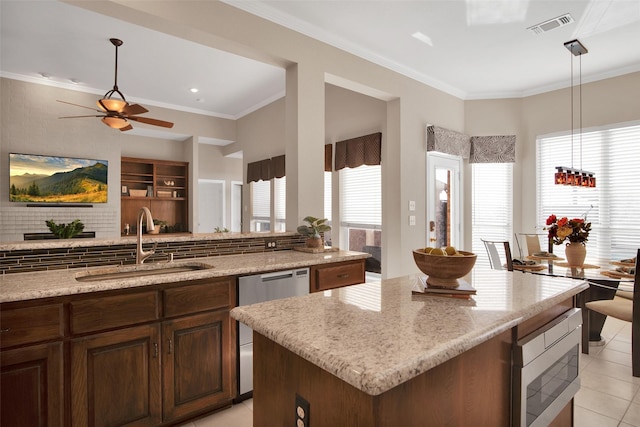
x=605, y=277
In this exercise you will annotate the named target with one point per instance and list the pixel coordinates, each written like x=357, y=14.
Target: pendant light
x=570, y=175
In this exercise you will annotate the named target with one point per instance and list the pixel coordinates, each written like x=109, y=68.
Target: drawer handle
x=170, y=346
x=342, y=276
x=5, y=330
x=155, y=350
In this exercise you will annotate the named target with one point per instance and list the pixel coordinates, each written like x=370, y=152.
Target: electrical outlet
x=412, y=220
x=270, y=244
x=302, y=411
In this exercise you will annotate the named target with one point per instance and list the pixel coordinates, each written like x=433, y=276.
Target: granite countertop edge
x=55, y=283
x=378, y=382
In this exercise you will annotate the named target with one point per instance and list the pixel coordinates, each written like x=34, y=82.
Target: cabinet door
x=115, y=378
x=31, y=386
x=198, y=363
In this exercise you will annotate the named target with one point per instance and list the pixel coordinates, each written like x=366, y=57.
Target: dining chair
x=623, y=308
x=494, y=250
x=532, y=241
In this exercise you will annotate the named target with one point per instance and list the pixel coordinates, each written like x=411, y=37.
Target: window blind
x=327, y=195
x=492, y=206
x=613, y=207
x=260, y=205
x=361, y=197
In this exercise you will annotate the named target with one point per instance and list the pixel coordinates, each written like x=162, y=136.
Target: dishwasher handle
x=278, y=275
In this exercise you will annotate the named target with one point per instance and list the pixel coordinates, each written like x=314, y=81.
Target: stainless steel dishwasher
x=260, y=288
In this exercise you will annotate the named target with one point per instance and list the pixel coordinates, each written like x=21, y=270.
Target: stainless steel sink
x=133, y=271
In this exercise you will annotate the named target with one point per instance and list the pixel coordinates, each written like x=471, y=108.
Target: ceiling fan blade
x=75, y=117
x=126, y=128
x=134, y=109
x=77, y=105
x=154, y=122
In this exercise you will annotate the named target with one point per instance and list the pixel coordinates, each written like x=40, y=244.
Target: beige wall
x=605, y=102
x=409, y=107
x=30, y=124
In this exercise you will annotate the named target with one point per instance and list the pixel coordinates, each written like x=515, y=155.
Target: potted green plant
x=65, y=231
x=313, y=231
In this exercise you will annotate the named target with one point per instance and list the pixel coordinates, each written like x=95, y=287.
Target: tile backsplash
x=56, y=258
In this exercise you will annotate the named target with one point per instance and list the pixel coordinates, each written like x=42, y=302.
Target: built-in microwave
x=546, y=374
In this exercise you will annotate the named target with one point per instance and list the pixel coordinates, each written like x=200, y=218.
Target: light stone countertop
x=376, y=336
x=45, y=284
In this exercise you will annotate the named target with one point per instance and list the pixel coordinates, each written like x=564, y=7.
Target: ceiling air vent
x=551, y=24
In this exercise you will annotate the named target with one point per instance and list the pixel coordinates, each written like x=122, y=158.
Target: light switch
x=412, y=205
x=412, y=220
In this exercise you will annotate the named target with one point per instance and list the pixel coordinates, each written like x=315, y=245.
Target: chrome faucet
x=141, y=255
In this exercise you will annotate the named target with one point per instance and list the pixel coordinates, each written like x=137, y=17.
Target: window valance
x=328, y=156
x=493, y=149
x=278, y=168
x=259, y=171
x=448, y=141
x=363, y=150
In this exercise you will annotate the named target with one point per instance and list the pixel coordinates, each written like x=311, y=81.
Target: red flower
x=579, y=220
x=562, y=221
x=551, y=219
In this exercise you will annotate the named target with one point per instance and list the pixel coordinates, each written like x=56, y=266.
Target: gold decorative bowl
x=443, y=271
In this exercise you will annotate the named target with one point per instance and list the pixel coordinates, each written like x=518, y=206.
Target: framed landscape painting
x=58, y=180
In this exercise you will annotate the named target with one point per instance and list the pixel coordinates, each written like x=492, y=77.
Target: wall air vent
x=551, y=24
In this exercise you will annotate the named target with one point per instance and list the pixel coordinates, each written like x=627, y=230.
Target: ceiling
x=478, y=48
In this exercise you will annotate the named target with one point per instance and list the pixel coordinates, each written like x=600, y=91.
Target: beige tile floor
x=608, y=397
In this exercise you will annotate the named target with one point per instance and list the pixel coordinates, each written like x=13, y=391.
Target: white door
x=210, y=205
x=236, y=206
x=444, y=200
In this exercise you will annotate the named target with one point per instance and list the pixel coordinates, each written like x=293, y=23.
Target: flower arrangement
x=574, y=230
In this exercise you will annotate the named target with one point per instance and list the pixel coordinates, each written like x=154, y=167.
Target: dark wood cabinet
x=151, y=356
x=197, y=366
x=32, y=378
x=165, y=191
x=336, y=275
x=115, y=378
x=32, y=386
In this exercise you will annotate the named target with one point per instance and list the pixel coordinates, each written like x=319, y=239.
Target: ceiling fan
x=117, y=112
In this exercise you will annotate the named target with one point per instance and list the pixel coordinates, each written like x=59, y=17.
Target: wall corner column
x=304, y=138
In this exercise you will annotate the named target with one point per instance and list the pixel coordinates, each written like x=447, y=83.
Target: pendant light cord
x=580, y=83
x=572, y=102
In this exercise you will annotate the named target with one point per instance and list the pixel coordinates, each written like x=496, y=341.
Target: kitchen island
x=377, y=355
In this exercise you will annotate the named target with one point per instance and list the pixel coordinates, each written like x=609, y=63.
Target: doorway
x=444, y=200
x=236, y=206
x=211, y=205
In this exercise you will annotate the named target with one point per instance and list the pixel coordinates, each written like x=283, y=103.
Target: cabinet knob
x=170, y=346
x=342, y=276
x=155, y=350
x=5, y=330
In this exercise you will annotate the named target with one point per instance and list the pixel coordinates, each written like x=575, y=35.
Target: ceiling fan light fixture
x=112, y=104
x=115, y=122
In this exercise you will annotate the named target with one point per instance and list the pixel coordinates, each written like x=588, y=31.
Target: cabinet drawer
x=338, y=275
x=198, y=297
x=31, y=324
x=113, y=311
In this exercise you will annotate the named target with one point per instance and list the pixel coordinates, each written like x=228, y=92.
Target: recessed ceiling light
x=422, y=37
x=74, y=81
x=194, y=90
x=45, y=75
